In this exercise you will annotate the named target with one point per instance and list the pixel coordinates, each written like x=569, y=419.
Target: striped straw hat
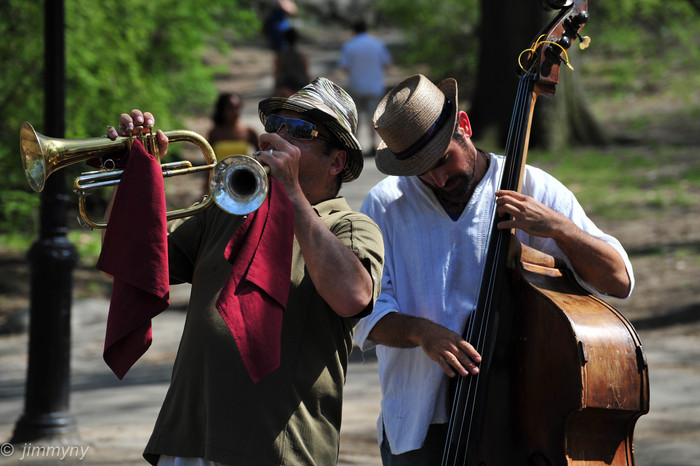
x=328, y=103
x=415, y=120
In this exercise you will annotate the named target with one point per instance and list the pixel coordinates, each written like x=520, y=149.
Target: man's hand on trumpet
x=283, y=158
x=134, y=124
x=137, y=123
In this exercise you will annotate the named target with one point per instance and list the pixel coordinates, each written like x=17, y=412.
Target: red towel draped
x=254, y=297
x=135, y=253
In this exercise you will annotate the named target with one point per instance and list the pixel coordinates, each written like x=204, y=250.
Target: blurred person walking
x=365, y=58
x=277, y=22
x=291, y=67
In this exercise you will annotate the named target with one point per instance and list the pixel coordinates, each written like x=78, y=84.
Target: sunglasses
x=296, y=128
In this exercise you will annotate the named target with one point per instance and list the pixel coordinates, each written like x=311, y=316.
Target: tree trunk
x=507, y=28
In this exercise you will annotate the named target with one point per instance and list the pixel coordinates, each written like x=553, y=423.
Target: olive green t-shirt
x=290, y=417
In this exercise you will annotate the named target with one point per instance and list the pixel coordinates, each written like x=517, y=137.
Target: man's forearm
x=397, y=330
x=595, y=261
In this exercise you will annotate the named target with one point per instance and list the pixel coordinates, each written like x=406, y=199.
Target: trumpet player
x=215, y=412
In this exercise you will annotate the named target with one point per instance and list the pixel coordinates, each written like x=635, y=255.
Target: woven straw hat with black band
x=415, y=120
x=328, y=103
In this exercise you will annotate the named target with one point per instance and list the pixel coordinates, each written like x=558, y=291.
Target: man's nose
x=437, y=177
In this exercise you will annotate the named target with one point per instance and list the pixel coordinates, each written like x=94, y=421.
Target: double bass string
x=461, y=422
x=463, y=409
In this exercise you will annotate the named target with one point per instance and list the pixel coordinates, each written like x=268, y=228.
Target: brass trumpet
x=237, y=184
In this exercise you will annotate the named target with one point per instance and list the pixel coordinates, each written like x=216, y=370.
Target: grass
x=653, y=99
x=622, y=183
x=87, y=243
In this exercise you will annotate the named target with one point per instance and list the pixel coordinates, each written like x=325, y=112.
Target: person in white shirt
x=435, y=212
x=365, y=58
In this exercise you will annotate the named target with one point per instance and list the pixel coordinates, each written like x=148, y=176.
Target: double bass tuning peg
x=573, y=24
x=557, y=51
x=585, y=41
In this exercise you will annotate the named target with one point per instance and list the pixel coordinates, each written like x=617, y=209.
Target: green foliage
x=19, y=209
x=640, y=45
x=635, y=181
x=119, y=56
x=21, y=52
x=88, y=243
x=442, y=35
x=641, y=12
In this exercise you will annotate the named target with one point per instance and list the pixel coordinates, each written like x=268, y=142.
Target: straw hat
x=415, y=120
x=328, y=103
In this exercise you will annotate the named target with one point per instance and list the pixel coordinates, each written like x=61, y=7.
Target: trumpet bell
x=239, y=184
x=32, y=161
x=43, y=155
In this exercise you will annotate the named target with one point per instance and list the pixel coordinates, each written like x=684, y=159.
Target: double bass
x=563, y=377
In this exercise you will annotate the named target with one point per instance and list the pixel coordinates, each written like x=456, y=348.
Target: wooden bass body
x=568, y=378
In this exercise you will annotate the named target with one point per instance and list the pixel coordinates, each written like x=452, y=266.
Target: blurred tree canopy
x=447, y=38
x=442, y=35
x=119, y=56
x=445, y=35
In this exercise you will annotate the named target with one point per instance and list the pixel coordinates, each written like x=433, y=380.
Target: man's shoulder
x=338, y=208
x=341, y=220
x=537, y=179
x=389, y=194
x=389, y=186
x=364, y=40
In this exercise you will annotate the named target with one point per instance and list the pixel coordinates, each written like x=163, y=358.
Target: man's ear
x=464, y=123
x=338, y=162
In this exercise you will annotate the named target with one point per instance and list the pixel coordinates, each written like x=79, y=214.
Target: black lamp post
x=52, y=259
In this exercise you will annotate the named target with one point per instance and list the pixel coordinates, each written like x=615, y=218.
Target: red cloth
x=254, y=297
x=135, y=253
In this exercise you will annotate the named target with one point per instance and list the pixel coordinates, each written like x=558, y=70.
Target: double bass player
x=435, y=211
